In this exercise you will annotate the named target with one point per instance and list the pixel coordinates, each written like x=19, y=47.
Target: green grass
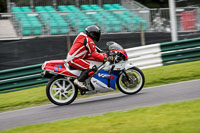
x=183, y=117
x=154, y=76
x=23, y=99
x=172, y=73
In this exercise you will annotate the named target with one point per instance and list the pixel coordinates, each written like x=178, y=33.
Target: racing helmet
x=94, y=32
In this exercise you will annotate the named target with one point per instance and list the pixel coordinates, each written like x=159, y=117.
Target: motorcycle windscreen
x=103, y=79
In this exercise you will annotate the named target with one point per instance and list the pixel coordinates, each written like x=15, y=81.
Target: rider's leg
x=80, y=64
x=80, y=80
x=87, y=72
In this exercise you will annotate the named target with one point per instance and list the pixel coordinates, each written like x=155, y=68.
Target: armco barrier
x=143, y=57
x=180, y=51
x=165, y=53
x=178, y=45
x=21, y=71
x=21, y=77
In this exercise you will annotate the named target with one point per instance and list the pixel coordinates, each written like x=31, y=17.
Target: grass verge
x=183, y=117
x=154, y=76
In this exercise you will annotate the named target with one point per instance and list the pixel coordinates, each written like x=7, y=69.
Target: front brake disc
x=133, y=80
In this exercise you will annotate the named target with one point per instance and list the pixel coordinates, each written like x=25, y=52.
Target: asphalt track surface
x=101, y=104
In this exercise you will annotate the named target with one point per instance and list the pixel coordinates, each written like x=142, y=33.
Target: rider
x=82, y=48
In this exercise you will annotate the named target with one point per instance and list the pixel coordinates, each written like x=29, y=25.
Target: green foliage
x=181, y=117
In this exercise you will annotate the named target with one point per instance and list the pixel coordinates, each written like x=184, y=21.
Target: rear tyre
x=135, y=84
x=61, y=91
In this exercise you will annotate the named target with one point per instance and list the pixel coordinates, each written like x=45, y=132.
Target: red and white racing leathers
x=82, y=48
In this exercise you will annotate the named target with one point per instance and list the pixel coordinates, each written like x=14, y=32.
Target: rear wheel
x=135, y=84
x=61, y=91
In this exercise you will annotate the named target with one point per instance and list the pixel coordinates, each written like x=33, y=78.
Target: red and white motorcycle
x=109, y=76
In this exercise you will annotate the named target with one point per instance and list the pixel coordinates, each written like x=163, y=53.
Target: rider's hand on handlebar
x=109, y=58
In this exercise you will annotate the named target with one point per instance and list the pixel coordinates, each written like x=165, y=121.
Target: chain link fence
x=187, y=19
x=34, y=21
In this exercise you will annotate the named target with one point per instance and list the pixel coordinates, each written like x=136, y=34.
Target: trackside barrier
x=180, y=51
x=165, y=53
x=21, y=77
x=143, y=57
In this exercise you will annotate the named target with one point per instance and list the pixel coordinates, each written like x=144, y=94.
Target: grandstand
x=48, y=20
x=7, y=29
x=43, y=18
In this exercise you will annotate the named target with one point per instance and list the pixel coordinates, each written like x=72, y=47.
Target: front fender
x=129, y=65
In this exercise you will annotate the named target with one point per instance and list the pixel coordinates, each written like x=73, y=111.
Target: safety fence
x=143, y=57
x=49, y=20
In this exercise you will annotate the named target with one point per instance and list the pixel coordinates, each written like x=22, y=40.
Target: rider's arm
x=99, y=50
x=93, y=52
x=99, y=56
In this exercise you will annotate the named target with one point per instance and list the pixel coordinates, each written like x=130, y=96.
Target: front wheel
x=61, y=91
x=135, y=84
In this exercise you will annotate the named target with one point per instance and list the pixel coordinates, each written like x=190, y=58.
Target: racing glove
x=109, y=58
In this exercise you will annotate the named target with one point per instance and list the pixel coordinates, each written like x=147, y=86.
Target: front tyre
x=135, y=84
x=61, y=91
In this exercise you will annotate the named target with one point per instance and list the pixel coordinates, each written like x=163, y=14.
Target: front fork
x=126, y=75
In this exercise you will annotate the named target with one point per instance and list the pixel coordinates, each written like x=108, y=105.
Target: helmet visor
x=97, y=36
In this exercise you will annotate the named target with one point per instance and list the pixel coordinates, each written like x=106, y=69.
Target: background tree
x=154, y=3
x=3, y=7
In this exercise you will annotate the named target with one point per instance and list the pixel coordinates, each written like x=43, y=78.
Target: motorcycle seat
x=71, y=68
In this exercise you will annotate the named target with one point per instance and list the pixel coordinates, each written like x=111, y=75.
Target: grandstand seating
x=29, y=25
x=54, y=22
x=78, y=20
x=103, y=18
x=110, y=17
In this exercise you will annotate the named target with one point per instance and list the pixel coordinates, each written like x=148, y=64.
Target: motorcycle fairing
x=104, y=77
x=121, y=51
x=60, y=67
x=120, y=66
x=129, y=65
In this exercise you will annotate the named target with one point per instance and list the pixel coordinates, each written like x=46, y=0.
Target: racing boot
x=80, y=84
x=85, y=74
